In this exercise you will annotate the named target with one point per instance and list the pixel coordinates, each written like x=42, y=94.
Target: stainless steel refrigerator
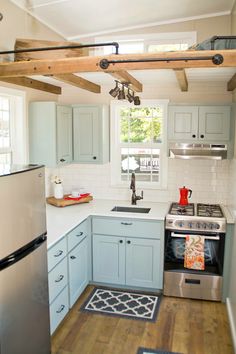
x=24, y=304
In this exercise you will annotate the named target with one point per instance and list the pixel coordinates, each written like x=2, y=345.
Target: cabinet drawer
x=127, y=227
x=77, y=235
x=59, y=309
x=57, y=279
x=56, y=253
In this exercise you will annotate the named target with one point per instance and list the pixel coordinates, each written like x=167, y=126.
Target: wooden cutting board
x=65, y=202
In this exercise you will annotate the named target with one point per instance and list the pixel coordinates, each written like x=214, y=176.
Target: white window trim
x=18, y=124
x=115, y=145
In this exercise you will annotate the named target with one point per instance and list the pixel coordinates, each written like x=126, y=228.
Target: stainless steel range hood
x=198, y=151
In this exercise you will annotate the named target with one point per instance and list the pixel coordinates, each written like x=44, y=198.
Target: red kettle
x=185, y=193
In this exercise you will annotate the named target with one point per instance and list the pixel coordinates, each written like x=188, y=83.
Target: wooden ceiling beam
x=33, y=84
x=77, y=81
x=182, y=79
x=91, y=63
x=124, y=76
x=231, y=85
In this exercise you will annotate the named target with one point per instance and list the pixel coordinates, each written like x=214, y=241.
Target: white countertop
x=62, y=220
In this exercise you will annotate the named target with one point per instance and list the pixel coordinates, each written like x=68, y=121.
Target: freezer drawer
x=24, y=305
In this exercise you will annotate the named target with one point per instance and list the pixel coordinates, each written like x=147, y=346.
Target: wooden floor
x=183, y=325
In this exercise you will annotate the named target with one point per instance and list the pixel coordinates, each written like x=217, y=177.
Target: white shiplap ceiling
x=77, y=19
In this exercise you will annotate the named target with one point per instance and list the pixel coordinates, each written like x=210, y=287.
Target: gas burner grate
x=177, y=209
x=209, y=210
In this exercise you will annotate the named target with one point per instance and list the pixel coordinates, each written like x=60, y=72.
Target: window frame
x=18, y=146
x=116, y=145
x=148, y=38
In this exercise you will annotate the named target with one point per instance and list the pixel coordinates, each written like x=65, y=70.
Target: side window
x=5, y=130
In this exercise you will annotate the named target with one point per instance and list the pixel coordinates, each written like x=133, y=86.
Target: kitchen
x=211, y=181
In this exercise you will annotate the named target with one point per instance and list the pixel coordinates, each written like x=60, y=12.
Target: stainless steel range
x=205, y=220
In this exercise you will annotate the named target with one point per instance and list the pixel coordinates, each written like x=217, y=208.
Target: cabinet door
x=109, y=259
x=64, y=134
x=86, y=134
x=183, y=122
x=143, y=263
x=214, y=123
x=78, y=270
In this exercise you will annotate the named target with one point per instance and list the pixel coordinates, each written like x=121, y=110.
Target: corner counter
x=60, y=221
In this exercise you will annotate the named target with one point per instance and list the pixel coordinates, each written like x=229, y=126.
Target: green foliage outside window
x=141, y=125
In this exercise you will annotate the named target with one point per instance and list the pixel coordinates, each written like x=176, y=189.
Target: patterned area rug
x=153, y=351
x=125, y=303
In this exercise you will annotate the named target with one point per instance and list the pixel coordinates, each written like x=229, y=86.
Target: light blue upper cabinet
x=183, y=122
x=90, y=134
x=214, y=123
x=199, y=123
x=50, y=133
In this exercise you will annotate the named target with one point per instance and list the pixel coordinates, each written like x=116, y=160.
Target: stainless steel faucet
x=134, y=197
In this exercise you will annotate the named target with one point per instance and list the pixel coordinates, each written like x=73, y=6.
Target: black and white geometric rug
x=129, y=304
x=153, y=351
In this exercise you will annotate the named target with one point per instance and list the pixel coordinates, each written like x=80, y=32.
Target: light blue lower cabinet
x=58, y=309
x=78, y=270
x=108, y=259
x=127, y=261
x=142, y=263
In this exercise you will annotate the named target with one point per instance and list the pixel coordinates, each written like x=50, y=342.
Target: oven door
x=213, y=252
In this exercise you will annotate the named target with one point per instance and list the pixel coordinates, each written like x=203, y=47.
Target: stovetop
x=205, y=210
x=196, y=217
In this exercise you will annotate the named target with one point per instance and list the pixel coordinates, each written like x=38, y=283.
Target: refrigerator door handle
x=22, y=252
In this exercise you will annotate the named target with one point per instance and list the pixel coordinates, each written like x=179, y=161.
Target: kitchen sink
x=131, y=209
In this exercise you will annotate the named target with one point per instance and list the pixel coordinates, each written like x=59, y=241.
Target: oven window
x=213, y=254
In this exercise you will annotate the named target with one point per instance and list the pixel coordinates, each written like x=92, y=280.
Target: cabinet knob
x=79, y=234
x=94, y=157
x=129, y=242
x=72, y=257
x=62, y=160
x=121, y=241
x=202, y=136
x=194, y=136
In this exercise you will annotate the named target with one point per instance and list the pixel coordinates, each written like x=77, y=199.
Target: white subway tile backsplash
x=208, y=180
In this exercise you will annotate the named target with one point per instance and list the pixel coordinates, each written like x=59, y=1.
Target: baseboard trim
x=231, y=323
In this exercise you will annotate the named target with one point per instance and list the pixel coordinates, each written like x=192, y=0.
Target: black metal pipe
x=73, y=46
x=216, y=59
x=215, y=38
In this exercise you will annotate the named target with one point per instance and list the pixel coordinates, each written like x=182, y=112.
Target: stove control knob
x=181, y=223
x=190, y=224
x=198, y=225
x=204, y=225
x=217, y=226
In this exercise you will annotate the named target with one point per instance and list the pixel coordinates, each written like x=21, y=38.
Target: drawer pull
x=121, y=241
x=129, y=242
x=58, y=254
x=72, y=257
x=193, y=281
x=60, y=309
x=80, y=234
x=59, y=278
x=126, y=223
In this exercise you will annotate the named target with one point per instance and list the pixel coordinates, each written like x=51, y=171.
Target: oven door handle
x=205, y=237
